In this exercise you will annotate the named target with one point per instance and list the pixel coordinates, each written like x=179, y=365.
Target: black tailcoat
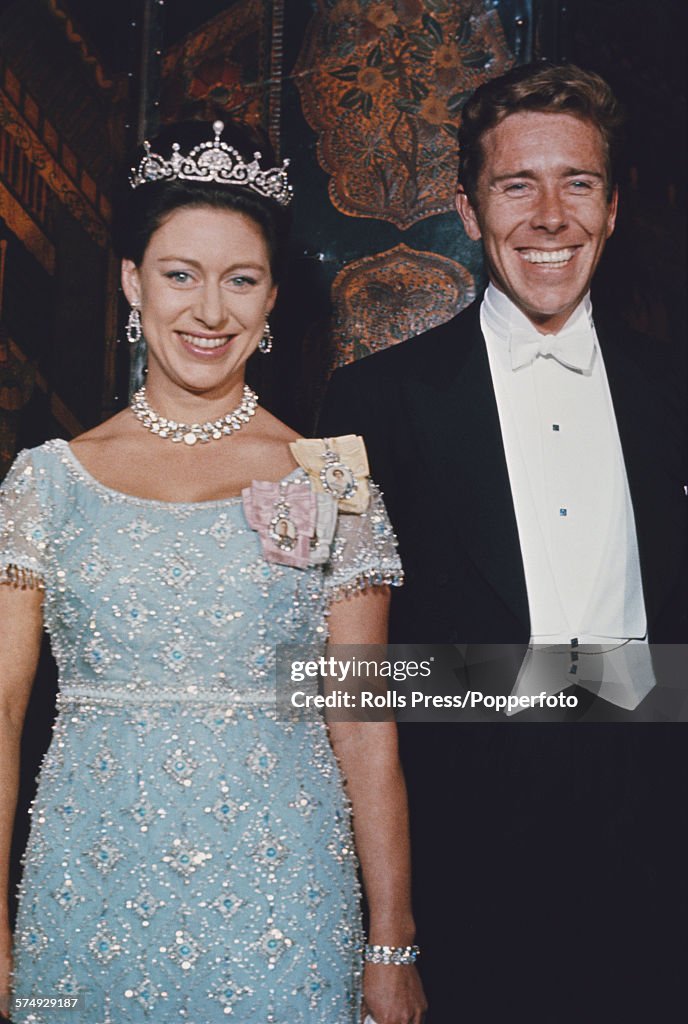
x=534, y=845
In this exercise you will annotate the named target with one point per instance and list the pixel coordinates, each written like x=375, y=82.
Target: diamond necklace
x=213, y=430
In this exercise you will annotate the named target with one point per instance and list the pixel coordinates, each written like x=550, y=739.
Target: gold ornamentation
x=337, y=466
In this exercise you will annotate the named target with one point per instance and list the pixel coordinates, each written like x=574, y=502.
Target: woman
x=190, y=854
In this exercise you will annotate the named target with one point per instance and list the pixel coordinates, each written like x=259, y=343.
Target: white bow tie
x=573, y=348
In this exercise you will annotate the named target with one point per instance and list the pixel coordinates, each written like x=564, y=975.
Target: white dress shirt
x=572, y=503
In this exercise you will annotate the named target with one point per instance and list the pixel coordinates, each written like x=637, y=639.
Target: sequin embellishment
x=190, y=856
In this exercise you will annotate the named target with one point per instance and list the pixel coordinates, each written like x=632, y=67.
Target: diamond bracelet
x=390, y=954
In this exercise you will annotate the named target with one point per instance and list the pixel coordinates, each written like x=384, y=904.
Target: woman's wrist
x=392, y=931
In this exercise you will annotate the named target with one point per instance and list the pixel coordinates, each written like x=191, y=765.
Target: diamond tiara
x=214, y=161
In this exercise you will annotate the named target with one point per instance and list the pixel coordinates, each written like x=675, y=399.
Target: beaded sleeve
x=364, y=552
x=22, y=533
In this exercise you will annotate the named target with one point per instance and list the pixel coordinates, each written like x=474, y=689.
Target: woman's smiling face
x=204, y=287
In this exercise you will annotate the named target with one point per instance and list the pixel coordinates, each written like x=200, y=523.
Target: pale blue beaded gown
x=190, y=855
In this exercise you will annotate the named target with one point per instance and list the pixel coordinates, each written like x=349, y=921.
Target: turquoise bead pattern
x=191, y=855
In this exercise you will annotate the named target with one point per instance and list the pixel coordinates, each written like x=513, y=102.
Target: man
x=529, y=455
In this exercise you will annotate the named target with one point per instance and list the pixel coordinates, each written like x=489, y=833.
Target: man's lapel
x=463, y=440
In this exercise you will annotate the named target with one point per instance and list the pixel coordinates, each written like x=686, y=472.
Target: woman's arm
x=368, y=755
x=21, y=625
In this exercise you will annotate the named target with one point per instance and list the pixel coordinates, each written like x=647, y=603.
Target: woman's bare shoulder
x=274, y=430
x=117, y=428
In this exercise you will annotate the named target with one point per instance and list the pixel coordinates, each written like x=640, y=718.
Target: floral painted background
x=225, y=62
x=385, y=298
x=383, y=85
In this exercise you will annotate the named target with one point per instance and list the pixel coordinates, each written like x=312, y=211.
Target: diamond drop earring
x=265, y=343
x=133, y=330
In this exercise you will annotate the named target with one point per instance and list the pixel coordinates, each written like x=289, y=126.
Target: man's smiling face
x=542, y=211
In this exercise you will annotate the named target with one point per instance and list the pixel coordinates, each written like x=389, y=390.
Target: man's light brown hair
x=543, y=87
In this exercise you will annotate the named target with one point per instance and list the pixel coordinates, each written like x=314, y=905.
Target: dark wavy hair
x=543, y=87
x=138, y=213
